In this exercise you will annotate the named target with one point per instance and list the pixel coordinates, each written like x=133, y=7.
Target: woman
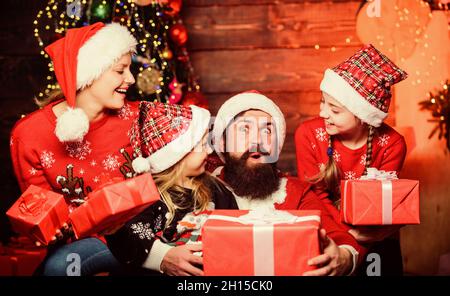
x=79, y=137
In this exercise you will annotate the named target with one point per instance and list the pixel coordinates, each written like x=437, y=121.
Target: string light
x=439, y=106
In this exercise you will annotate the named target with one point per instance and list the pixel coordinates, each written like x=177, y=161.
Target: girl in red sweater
x=350, y=136
x=80, y=138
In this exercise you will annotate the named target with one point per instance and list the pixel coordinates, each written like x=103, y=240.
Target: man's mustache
x=255, y=149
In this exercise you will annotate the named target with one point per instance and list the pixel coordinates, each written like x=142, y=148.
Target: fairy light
x=152, y=37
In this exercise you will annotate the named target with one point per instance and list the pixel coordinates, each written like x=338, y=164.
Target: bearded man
x=248, y=135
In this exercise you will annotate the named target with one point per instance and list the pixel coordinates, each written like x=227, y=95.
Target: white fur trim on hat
x=72, y=125
x=336, y=86
x=101, y=51
x=140, y=165
x=173, y=152
x=243, y=102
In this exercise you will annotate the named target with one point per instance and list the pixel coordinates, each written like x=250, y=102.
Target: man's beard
x=257, y=181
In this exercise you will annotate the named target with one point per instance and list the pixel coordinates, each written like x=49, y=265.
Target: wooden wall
x=269, y=46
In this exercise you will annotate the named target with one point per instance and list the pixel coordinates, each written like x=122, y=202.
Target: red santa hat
x=78, y=59
x=164, y=133
x=362, y=84
x=243, y=102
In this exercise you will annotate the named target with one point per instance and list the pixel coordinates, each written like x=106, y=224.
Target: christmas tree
x=161, y=66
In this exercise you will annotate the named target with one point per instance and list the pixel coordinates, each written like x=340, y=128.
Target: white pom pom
x=72, y=125
x=141, y=165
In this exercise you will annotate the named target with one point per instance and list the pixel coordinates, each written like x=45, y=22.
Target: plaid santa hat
x=243, y=102
x=79, y=58
x=362, y=84
x=164, y=133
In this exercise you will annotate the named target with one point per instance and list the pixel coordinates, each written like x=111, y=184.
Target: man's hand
x=333, y=261
x=367, y=234
x=181, y=261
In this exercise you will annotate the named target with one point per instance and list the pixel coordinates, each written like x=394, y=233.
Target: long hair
x=166, y=183
x=329, y=176
x=52, y=96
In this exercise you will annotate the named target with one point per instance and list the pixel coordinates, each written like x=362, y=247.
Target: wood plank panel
x=265, y=70
x=193, y=3
x=288, y=25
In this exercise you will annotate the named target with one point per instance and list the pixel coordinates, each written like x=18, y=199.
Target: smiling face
x=338, y=119
x=109, y=90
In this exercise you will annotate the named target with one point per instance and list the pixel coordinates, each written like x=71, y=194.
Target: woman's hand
x=371, y=234
x=333, y=261
x=63, y=233
x=181, y=261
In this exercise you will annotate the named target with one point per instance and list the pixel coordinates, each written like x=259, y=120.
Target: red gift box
x=113, y=204
x=38, y=214
x=380, y=202
x=236, y=246
x=20, y=262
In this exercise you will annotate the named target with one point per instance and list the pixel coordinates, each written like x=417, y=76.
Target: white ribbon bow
x=375, y=174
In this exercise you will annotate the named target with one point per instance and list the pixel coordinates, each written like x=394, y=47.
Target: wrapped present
x=20, y=262
x=38, y=214
x=380, y=199
x=245, y=243
x=113, y=204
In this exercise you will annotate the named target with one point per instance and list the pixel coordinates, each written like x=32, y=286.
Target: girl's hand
x=181, y=261
x=333, y=261
x=366, y=234
x=63, y=233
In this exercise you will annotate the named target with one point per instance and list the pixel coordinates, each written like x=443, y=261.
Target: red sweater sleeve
x=394, y=157
x=25, y=160
x=308, y=159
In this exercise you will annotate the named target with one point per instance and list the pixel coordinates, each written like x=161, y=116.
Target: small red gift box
x=113, y=204
x=21, y=261
x=38, y=214
x=380, y=202
x=240, y=243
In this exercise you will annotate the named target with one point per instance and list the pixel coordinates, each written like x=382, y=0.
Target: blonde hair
x=52, y=96
x=166, y=182
x=329, y=177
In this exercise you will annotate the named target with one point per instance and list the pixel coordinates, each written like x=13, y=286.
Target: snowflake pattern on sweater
x=73, y=169
x=47, y=159
x=127, y=112
x=111, y=162
x=143, y=231
x=79, y=150
x=388, y=151
x=321, y=134
x=383, y=140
